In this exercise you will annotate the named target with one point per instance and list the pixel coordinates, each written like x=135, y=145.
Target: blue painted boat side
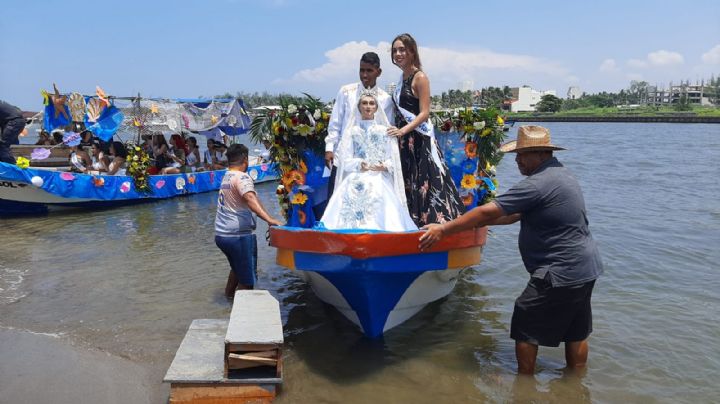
x=372, y=286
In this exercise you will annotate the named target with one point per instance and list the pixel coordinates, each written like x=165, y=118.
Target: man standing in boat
x=346, y=102
x=12, y=124
x=556, y=247
x=235, y=223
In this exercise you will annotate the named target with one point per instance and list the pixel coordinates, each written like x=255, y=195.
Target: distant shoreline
x=616, y=118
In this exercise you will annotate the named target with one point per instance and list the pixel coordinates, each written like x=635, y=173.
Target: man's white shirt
x=347, y=99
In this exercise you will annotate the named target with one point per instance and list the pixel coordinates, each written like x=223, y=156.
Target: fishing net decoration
x=151, y=116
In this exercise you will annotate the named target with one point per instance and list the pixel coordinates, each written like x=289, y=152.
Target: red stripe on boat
x=369, y=245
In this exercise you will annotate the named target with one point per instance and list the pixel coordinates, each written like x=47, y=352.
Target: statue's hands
x=329, y=159
x=377, y=167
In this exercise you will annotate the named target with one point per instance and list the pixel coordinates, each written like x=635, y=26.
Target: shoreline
x=40, y=368
x=616, y=118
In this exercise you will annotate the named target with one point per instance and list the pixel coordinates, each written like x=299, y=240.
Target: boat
x=42, y=190
x=376, y=279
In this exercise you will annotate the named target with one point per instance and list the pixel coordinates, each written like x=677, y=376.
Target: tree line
x=497, y=97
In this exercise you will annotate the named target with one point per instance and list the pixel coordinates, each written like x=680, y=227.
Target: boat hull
x=37, y=191
x=377, y=280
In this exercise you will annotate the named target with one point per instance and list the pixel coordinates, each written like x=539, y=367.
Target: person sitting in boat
x=80, y=161
x=160, y=150
x=86, y=137
x=220, y=160
x=175, y=155
x=369, y=190
x=100, y=161
x=44, y=139
x=119, y=153
x=57, y=138
x=192, y=158
x=208, y=154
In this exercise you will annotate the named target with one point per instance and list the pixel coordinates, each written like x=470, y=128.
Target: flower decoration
x=481, y=130
x=138, y=163
x=471, y=149
x=302, y=217
x=22, y=162
x=98, y=181
x=296, y=130
x=299, y=199
x=469, y=166
x=468, y=181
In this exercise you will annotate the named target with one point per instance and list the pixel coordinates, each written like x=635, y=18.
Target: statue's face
x=368, y=107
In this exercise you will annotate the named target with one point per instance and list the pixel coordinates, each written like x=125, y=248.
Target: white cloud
x=658, y=58
x=444, y=66
x=637, y=63
x=712, y=57
x=608, y=65
x=665, y=58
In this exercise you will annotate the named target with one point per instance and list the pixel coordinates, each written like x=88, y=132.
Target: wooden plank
x=250, y=347
x=221, y=394
x=264, y=354
x=254, y=320
x=237, y=361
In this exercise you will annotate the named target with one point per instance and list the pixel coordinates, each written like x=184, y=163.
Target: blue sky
x=193, y=48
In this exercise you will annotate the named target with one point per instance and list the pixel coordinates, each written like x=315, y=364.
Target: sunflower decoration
x=138, y=163
x=296, y=130
x=299, y=198
x=468, y=182
x=480, y=132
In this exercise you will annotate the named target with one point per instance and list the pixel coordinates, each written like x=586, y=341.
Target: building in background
x=697, y=94
x=525, y=98
x=573, y=93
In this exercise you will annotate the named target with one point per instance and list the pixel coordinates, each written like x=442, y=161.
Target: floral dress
x=431, y=194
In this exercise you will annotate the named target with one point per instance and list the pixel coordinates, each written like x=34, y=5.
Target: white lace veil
x=345, y=147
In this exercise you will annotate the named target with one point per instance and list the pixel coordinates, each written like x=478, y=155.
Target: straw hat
x=530, y=138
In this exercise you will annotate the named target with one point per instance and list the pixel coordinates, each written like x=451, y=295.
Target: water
x=130, y=280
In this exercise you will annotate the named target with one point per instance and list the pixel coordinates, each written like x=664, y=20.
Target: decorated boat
x=38, y=191
x=379, y=279
x=41, y=180
x=376, y=279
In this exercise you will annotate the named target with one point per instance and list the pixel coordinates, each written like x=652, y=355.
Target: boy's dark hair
x=237, y=154
x=370, y=58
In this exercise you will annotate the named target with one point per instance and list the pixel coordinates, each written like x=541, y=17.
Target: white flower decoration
x=479, y=125
x=317, y=114
x=292, y=108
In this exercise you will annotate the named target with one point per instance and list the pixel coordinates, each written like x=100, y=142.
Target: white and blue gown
x=368, y=200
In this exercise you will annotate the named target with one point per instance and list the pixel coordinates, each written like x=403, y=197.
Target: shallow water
x=130, y=280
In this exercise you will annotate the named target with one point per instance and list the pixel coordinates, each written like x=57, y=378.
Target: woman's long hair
x=410, y=46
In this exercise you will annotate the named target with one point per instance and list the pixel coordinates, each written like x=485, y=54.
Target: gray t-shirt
x=234, y=217
x=554, y=236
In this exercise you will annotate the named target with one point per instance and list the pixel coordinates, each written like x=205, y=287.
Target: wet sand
x=43, y=368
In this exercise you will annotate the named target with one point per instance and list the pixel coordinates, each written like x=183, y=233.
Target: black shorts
x=546, y=315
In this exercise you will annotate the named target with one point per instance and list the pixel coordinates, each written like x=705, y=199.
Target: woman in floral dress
x=431, y=193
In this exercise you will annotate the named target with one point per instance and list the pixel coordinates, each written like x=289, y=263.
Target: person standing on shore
x=556, y=247
x=12, y=124
x=235, y=223
x=346, y=102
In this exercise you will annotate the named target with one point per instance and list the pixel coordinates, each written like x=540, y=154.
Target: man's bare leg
x=232, y=284
x=526, y=354
x=576, y=354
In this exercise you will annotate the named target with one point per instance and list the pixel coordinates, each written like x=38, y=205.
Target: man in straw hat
x=556, y=247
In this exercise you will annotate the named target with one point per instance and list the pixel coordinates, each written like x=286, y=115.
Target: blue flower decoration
x=469, y=166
